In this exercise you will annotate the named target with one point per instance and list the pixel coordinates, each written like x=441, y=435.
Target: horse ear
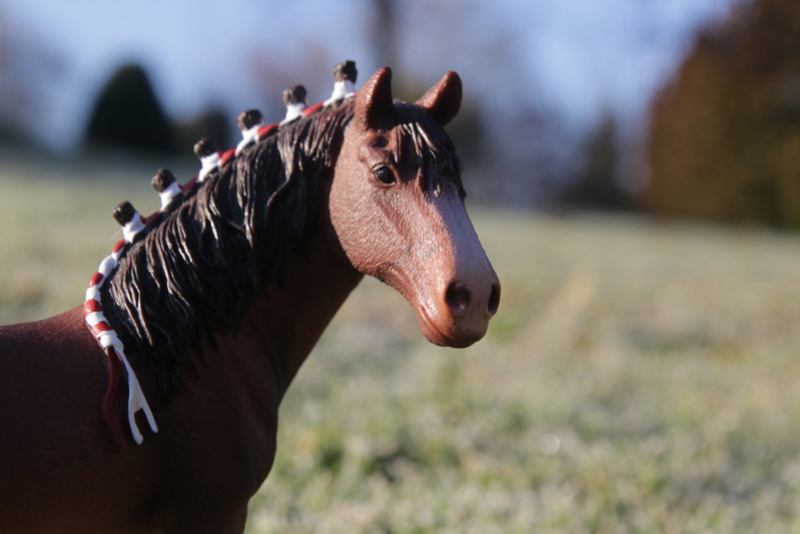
x=443, y=100
x=374, y=104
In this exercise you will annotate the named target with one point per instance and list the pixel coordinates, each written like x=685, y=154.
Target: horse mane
x=230, y=238
x=233, y=235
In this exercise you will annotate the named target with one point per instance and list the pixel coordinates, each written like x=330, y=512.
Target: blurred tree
x=522, y=163
x=597, y=184
x=128, y=115
x=725, y=134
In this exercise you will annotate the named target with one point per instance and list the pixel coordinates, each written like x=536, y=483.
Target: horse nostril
x=457, y=297
x=494, y=299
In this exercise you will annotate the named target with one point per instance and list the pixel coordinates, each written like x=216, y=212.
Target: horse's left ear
x=374, y=104
x=443, y=100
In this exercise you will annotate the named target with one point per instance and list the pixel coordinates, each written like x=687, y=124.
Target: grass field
x=638, y=378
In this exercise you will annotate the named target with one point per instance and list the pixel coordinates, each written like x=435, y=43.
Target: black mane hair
x=200, y=267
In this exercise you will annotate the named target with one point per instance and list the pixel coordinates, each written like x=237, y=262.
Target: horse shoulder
x=55, y=449
x=43, y=357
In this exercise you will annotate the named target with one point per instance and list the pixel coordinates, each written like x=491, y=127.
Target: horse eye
x=385, y=175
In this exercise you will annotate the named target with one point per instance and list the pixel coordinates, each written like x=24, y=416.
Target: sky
x=580, y=57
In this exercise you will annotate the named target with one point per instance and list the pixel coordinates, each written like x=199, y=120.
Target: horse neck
x=283, y=324
x=286, y=320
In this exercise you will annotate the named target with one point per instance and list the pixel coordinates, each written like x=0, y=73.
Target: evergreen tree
x=128, y=115
x=725, y=134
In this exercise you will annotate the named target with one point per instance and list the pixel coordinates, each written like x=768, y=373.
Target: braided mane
x=234, y=235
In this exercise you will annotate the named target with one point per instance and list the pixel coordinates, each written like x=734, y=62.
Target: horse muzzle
x=460, y=315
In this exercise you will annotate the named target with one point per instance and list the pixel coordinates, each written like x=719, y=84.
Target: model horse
x=211, y=305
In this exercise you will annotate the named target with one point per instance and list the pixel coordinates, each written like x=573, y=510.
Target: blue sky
x=577, y=56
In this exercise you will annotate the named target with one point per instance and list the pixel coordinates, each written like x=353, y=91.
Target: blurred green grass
x=639, y=377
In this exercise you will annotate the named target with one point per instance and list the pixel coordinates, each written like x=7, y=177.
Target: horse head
x=397, y=206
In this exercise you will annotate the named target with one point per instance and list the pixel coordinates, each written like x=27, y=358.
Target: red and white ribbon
x=107, y=337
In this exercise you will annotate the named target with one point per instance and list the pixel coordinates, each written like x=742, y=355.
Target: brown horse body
x=59, y=472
